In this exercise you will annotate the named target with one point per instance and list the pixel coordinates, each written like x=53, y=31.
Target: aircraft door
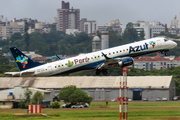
x=158, y=43
x=50, y=69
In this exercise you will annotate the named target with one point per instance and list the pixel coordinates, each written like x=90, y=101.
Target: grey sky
x=100, y=10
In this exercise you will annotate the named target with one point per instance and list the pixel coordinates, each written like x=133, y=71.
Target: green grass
x=101, y=113
x=138, y=104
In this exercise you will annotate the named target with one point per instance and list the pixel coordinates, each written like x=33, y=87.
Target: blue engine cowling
x=126, y=62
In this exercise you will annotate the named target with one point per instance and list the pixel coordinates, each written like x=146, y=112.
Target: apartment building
x=67, y=18
x=11, y=28
x=150, y=28
x=114, y=25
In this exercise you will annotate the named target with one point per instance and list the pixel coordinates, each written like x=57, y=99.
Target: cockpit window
x=165, y=40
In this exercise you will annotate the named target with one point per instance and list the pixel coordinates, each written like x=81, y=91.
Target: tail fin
x=22, y=61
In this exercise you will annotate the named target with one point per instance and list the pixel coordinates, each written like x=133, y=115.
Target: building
x=11, y=97
x=72, y=31
x=31, y=22
x=115, y=25
x=157, y=62
x=67, y=18
x=150, y=28
x=11, y=28
x=88, y=26
x=99, y=88
x=104, y=40
x=174, y=31
x=96, y=44
x=174, y=23
x=82, y=21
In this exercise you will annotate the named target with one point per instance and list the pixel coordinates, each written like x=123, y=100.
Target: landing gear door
x=158, y=43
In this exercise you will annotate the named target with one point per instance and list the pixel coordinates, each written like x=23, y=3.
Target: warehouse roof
x=87, y=81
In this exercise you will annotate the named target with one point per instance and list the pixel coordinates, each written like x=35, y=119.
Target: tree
x=55, y=104
x=130, y=34
x=114, y=38
x=98, y=33
x=38, y=98
x=26, y=99
x=3, y=59
x=15, y=36
x=27, y=95
x=26, y=36
x=141, y=35
x=74, y=95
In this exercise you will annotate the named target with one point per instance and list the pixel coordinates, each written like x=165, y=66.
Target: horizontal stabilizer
x=28, y=73
x=18, y=74
x=14, y=74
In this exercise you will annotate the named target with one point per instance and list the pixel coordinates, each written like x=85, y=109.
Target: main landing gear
x=104, y=72
x=164, y=52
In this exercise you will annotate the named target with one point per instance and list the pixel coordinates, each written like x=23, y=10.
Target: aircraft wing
x=18, y=74
x=109, y=62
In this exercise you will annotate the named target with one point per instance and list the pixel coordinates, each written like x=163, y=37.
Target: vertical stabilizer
x=22, y=61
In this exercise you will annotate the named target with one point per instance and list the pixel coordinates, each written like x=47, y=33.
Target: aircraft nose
x=174, y=44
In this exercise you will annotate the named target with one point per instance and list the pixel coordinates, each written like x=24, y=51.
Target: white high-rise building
x=150, y=28
x=175, y=26
x=114, y=24
x=174, y=23
x=90, y=27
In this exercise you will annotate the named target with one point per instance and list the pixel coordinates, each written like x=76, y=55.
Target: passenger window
x=91, y=57
x=116, y=51
x=58, y=65
x=109, y=53
x=120, y=50
x=113, y=52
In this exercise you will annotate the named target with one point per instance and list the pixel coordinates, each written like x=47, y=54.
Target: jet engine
x=126, y=62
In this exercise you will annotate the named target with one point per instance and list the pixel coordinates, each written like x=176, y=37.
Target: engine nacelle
x=126, y=62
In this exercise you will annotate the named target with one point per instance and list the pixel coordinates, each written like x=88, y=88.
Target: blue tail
x=22, y=61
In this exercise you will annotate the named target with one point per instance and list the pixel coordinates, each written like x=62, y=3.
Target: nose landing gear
x=164, y=52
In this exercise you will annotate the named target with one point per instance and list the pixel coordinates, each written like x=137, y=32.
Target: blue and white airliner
x=99, y=61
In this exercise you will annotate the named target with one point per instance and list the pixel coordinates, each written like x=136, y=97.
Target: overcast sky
x=100, y=10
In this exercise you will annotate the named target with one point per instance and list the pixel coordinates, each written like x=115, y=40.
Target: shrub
x=55, y=104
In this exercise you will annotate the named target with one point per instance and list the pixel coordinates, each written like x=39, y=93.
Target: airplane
x=99, y=61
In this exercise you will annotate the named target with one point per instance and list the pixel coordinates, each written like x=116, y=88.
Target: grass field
x=99, y=111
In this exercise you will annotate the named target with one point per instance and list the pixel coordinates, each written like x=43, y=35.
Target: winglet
x=58, y=57
x=105, y=56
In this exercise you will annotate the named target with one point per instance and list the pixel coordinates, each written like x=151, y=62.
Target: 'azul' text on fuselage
x=138, y=48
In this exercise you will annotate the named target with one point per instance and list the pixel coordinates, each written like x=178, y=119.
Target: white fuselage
x=94, y=59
